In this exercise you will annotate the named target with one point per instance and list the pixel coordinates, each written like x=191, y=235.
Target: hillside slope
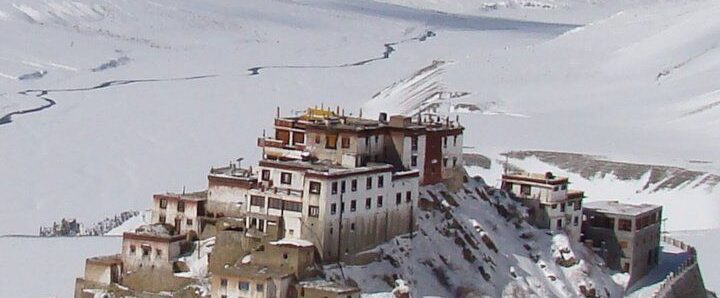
x=475, y=243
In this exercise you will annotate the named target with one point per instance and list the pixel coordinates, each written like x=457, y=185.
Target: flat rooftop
x=615, y=207
x=547, y=178
x=231, y=171
x=191, y=196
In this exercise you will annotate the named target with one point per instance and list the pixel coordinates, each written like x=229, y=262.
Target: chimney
x=383, y=117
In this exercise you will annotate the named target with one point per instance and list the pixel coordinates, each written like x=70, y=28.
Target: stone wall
x=686, y=280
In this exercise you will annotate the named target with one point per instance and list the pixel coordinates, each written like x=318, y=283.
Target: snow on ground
x=47, y=267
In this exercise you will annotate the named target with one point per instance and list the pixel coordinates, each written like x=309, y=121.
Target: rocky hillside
x=475, y=242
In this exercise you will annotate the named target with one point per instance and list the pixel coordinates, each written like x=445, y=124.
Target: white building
x=552, y=205
x=182, y=211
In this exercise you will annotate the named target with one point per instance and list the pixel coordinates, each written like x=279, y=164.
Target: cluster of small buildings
x=327, y=187
x=626, y=236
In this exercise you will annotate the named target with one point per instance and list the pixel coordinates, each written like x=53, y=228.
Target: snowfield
x=103, y=103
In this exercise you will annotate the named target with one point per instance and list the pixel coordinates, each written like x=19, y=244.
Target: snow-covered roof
x=293, y=242
x=328, y=286
x=615, y=207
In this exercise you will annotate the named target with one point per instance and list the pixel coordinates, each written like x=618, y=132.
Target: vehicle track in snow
x=389, y=49
x=42, y=93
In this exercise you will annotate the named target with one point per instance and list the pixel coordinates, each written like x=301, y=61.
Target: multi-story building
x=152, y=246
x=344, y=183
x=179, y=210
x=627, y=236
x=551, y=204
x=267, y=272
x=430, y=145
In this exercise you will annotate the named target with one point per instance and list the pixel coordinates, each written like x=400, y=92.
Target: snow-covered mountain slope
x=682, y=193
x=473, y=243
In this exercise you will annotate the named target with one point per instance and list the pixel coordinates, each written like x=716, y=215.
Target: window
x=626, y=267
x=334, y=187
x=223, y=283
x=315, y=187
x=331, y=230
x=353, y=205
x=377, y=138
x=563, y=187
x=455, y=140
x=345, y=143
x=274, y=203
x=553, y=206
x=367, y=142
x=163, y=204
x=445, y=162
x=243, y=286
x=145, y=250
x=353, y=185
x=162, y=219
x=381, y=181
x=368, y=203
x=413, y=161
x=261, y=225
x=132, y=249
x=314, y=211
x=158, y=252
x=576, y=221
x=285, y=256
x=293, y=206
x=624, y=225
x=189, y=222
x=454, y=161
x=342, y=207
x=286, y=178
x=559, y=223
x=408, y=196
x=562, y=207
x=352, y=227
x=298, y=138
x=623, y=244
x=525, y=190
x=342, y=186
x=333, y=208
x=317, y=139
x=445, y=142
x=379, y=201
x=368, y=183
x=282, y=135
x=414, y=143
x=260, y=287
x=398, y=198
x=265, y=175
x=331, y=141
x=578, y=205
x=257, y=201
x=181, y=206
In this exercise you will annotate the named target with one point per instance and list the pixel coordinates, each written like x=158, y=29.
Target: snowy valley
x=104, y=103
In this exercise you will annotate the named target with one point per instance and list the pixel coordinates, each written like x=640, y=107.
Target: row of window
x=368, y=203
x=445, y=141
x=180, y=205
x=445, y=162
x=162, y=219
x=353, y=185
x=576, y=205
x=145, y=251
x=242, y=286
x=275, y=203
